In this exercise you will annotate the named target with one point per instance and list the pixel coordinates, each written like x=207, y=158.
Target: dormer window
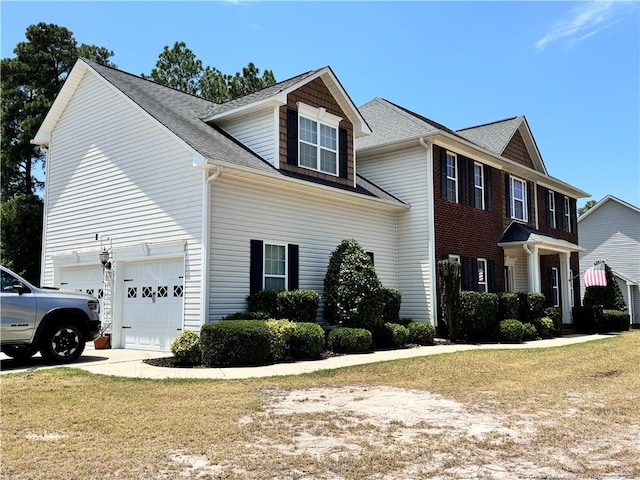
x=318, y=139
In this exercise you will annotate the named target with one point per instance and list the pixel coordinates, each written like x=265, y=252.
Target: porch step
x=568, y=330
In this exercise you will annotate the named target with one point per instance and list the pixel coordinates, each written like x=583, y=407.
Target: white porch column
x=565, y=278
x=533, y=267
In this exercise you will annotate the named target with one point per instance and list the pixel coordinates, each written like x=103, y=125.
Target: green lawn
x=569, y=412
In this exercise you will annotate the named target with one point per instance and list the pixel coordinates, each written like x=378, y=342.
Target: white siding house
x=610, y=231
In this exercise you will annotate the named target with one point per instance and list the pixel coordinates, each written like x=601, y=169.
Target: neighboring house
x=199, y=204
x=610, y=231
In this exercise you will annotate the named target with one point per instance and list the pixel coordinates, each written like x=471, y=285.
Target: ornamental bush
x=529, y=332
x=511, y=331
x=186, y=348
x=609, y=297
x=530, y=306
x=479, y=316
x=247, y=316
x=421, y=333
x=264, y=301
x=306, y=341
x=392, y=300
x=555, y=314
x=390, y=335
x=281, y=333
x=297, y=305
x=508, y=305
x=616, y=320
x=231, y=343
x=352, y=290
x=544, y=326
x=449, y=290
x=350, y=340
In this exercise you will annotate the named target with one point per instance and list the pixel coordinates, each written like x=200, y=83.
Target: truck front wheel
x=62, y=343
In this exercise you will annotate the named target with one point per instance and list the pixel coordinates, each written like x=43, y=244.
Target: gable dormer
x=316, y=135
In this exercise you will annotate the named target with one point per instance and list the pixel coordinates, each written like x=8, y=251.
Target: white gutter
x=205, y=268
x=428, y=146
x=45, y=214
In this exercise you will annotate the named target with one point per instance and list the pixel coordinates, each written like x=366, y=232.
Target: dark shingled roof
x=494, y=136
x=182, y=114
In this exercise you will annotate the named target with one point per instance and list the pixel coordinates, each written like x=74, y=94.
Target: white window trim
x=555, y=277
x=264, y=263
x=481, y=186
x=571, y=293
x=486, y=274
x=455, y=178
x=320, y=116
x=567, y=213
x=551, y=199
x=525, y=213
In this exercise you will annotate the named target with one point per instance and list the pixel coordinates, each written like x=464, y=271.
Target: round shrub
x=230, y=343
x=264, y=301
x=421, y=333
x=350, y=340
x=529, y=332
x=391, y=335
x=545, y=327
x=281, y=332
x=306, y=341
x=186, y=348
x=298, y=305
x=511, y=331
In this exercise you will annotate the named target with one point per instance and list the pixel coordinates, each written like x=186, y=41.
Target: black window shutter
x=530, y=199
x=293, y=267
x=371, y=257
x=491, y=275
x=342, y=157
x=463, y=192
x=443, y=173
x=256, y=266
x=292, y=137
x=574, y=215
x=469, y=274
x=507, y=195
x=488, y=188
x=471, y=188
x=559, y=210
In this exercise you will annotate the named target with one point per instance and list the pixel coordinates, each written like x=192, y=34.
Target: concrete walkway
x=129, y=363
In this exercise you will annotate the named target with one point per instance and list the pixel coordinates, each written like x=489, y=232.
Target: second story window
x=318, y=139
x=452, y=177
x=551, y=205
x=478, y=185
x=567, y=215
x=518, y=199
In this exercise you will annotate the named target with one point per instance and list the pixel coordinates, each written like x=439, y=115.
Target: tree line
x=30, y=82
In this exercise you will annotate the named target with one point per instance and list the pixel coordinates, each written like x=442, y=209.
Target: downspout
x=428, y=146
x=206, y=250
x=525, y=247
x=45, y=211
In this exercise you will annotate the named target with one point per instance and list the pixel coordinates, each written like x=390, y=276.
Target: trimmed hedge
x=306, y=341
x=297, y=305
x=232, y=343
x=511, y=331
x=350, y=340
x=530, y=306
x=555, y=314
x=186, y=348
x=247, y=316
x=616, y=321
x=281, y=332
x=391, y=335
x=421, y=333
x=544, y=326
x=529, y=332
x=479, y=316
x=392, y=300
x=264, y=301
x=507, y=305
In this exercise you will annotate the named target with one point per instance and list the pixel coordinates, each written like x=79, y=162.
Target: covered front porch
x=538, y=263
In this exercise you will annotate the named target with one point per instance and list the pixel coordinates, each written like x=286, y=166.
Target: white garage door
x=152, y=304
x=82, y=279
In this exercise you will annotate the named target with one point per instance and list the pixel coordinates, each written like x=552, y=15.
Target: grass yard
x=568, y=413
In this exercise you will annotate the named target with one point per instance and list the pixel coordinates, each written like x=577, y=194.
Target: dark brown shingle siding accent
x=316, y=94
x=517, y=151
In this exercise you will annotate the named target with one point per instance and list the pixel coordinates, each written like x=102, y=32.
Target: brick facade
x=315, y=94
x=545, y=225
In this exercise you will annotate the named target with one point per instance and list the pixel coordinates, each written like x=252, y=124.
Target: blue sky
x=572, y=68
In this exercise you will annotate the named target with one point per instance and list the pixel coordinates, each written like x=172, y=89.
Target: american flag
x=595, y=276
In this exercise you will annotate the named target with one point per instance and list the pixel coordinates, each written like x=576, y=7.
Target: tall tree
x=587, y=206
x=30, y=83
x=177, y=68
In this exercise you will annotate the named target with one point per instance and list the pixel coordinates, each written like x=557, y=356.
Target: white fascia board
x=531, y=145
x=278, y=100
x=43, y=135
x=605, y=200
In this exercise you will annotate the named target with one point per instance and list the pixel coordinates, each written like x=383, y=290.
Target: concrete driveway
x=130, y=363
